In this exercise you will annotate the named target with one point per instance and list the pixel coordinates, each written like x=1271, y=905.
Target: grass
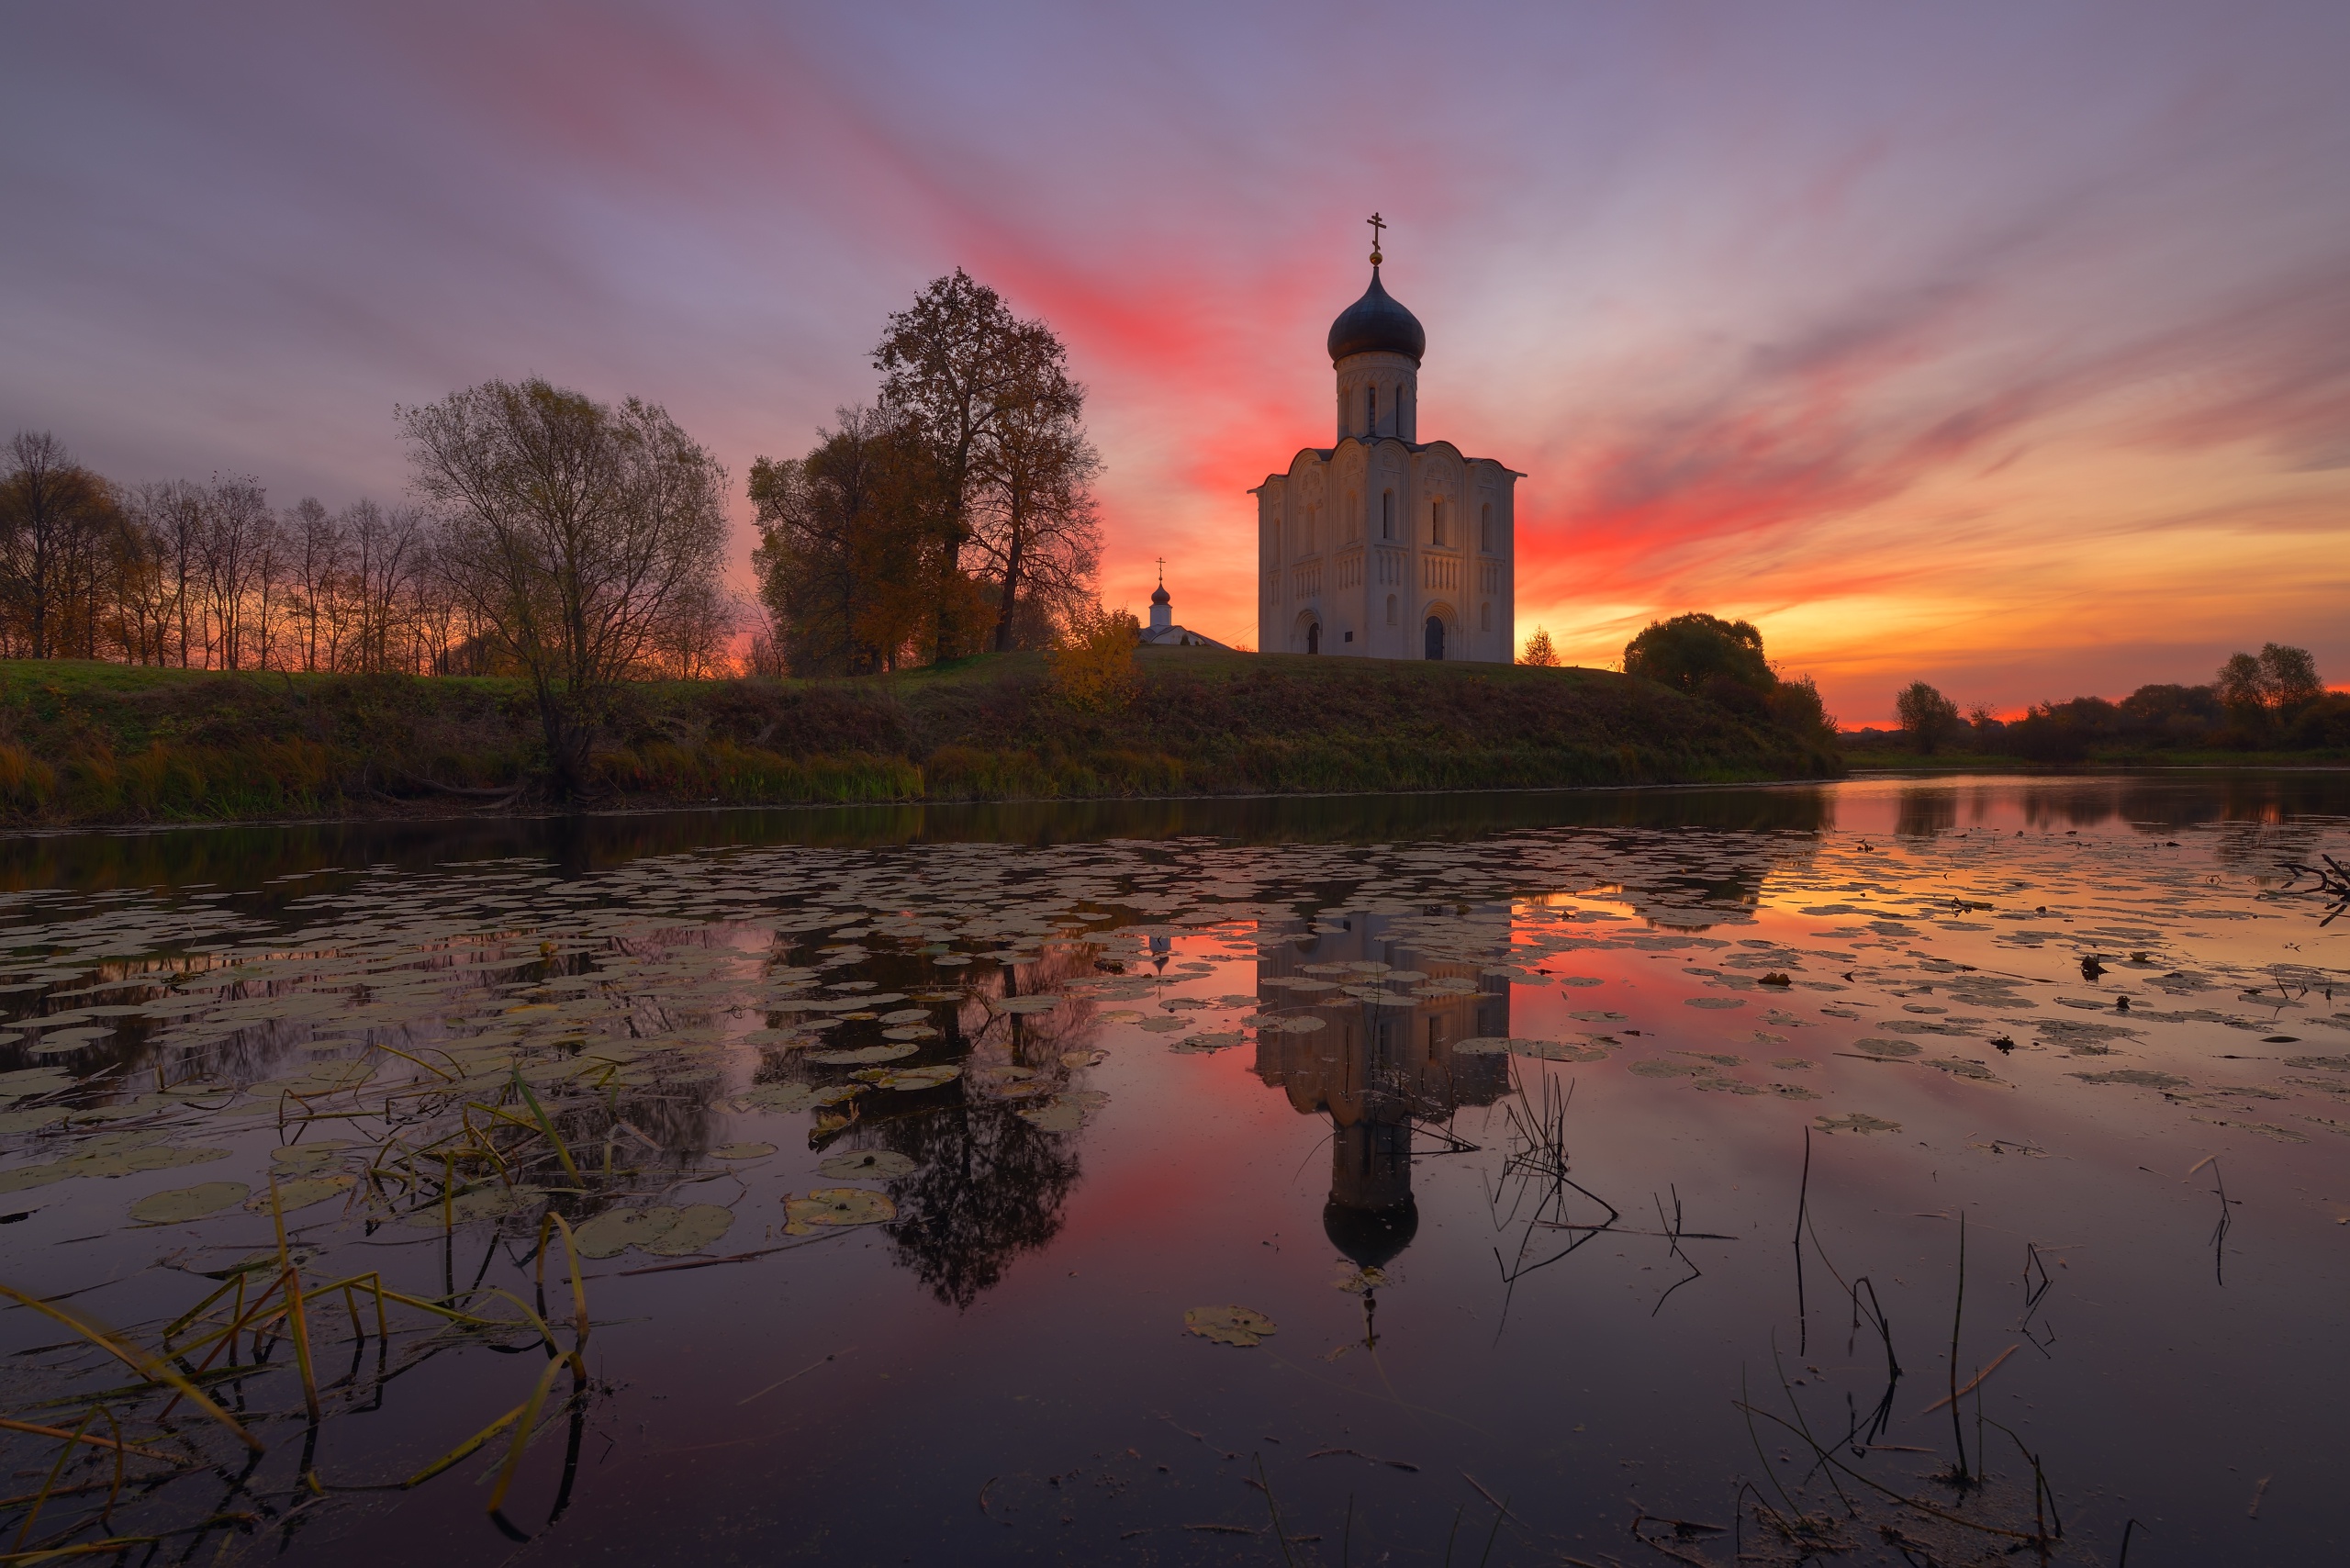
x=84, y=743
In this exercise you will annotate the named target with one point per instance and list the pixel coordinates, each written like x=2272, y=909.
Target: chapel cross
x=1377, y=224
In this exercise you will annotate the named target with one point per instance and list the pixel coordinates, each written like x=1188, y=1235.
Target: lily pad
x=743, y=1150
x=188, y=1202
x=1664, y=1067
x=696, y=1226
x=918, y=1077
x=1857, y=1122
x=1714, y=1003
x=2137, y=1076
x=1294, y=1023
x=1064, y=1113
x=1887, y=1049
x=876, y=1164
x=890, y=1052
x=1023, y=1004
x=614, y=1231
x=1597, y=1017
x=837, y=1205
x=1238, y=1326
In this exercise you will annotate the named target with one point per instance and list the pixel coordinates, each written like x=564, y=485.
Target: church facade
x=1383, y=545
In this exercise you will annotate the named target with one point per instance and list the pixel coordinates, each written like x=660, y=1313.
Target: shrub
x=1094, y=660
x=26, y=781
x=1686, y=651
x=1927, y=716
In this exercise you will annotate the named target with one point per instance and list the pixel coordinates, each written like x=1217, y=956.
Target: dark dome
x=1376, y=324
x=1159, y=595
x=1370, y=1239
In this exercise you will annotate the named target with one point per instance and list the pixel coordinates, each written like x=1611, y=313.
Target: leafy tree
x=991, y=396
x=1928, y=716
x=1093, y=660
x=850, y=540
x=1703, y=656
x=574, y=532
x=56, y=522
x=1539, y=649
x=1796, y=706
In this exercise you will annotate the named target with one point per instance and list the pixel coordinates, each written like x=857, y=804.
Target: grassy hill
x=91, y=743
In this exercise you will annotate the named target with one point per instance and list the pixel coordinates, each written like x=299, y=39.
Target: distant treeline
x=2272, y=700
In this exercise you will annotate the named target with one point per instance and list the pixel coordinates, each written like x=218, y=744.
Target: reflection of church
x=1375, y=1066
x=1381, y=545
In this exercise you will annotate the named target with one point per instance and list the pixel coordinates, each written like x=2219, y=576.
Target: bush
x=1688, y=652
x=1094, y=660
x=1927, y=718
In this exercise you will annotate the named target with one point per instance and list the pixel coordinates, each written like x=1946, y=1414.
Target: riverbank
x=94, y=743
x=2101, y=761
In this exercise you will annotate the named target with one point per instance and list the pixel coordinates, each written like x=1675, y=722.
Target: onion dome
x=1376, y=324
x=1159, y=595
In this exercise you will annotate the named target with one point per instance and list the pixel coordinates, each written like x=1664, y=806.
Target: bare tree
x=574, y=533
x=236, y=520
x=1036, y=525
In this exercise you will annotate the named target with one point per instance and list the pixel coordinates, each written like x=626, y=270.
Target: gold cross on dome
x=1377, y=224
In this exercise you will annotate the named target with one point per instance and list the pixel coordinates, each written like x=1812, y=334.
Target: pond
x=1885, y=1171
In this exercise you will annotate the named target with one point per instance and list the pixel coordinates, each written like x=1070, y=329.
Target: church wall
x=1396, y=380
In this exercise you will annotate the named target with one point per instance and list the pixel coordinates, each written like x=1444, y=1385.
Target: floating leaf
x=1713, y=1002
x=1598, y=1016
x=1887, y=1049
x=1239, y=1325
x=891, y=1052
x=188, y=1202
x=743, y=1150
x=1023, y=1004
x=1661, y=1067
x=837, y=1205
x=614, y=1231
x=1064, y=1113
x=1294, y=1024
x=695, y=1228
x=918, y=1077
x=2136, y=1075
x=1857, y=1122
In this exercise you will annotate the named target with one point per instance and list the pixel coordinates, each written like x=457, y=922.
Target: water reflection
x=1368, y=1035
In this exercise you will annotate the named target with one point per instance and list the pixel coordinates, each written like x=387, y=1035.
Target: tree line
x=2272, y=700
x=579, y=544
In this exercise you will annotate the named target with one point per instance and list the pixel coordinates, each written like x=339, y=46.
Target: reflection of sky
x=1977, y=345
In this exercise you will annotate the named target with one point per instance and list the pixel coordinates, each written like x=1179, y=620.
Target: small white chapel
x=1383, y=545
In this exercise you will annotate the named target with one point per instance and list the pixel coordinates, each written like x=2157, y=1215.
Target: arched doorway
x=1436, y=638
x=1313, y=638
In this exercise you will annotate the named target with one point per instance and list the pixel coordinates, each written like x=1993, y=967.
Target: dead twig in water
x=1372, y=1458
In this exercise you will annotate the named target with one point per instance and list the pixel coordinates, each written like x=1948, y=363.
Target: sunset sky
x=2005, y=346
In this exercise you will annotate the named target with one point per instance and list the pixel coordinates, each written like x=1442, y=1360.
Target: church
x=1383, y=545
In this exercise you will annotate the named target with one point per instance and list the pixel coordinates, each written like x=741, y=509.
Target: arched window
x=1436, y=638
x=1485, y=617
x=1387, y=514
x=1313, y=638
x=1486, y=527
x=1391, y=609
x=1436, y=525
x=1374, y=410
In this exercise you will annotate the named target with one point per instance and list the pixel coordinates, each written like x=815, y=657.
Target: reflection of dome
x=1371, y=1238
x=1376, y=324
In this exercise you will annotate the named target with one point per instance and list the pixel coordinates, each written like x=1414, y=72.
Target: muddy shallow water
x=1496, y=1178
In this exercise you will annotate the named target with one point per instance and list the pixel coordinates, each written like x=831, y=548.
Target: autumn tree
x=573, y=533
x=851, y=542
x=1927, y=716
x=990, y=394
x=1539, y=649
x=55, y=517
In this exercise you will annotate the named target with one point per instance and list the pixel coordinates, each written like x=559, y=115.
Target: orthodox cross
x=1162, y=571
x=1377, y=224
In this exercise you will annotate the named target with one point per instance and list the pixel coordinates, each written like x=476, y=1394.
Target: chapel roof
x=1377, y=324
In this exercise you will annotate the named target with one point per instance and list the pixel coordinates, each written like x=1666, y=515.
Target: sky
x=2005, y=347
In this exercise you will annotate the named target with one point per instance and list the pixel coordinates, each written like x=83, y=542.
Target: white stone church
x=1383, y=545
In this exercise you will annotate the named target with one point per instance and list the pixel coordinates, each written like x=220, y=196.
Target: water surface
x=1518, y=1178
